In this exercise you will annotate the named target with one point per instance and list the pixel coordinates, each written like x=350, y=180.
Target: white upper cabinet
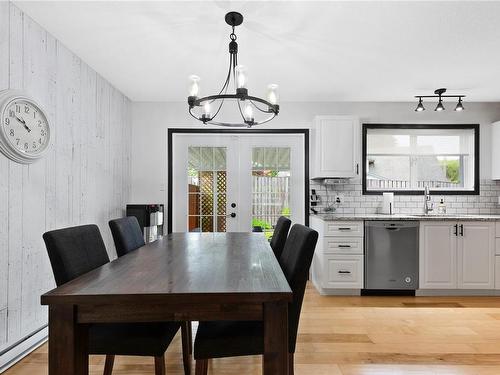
x=336, y=146
x=495, y=151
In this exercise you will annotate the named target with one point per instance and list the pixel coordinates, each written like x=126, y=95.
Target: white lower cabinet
x=457, y=255
x=343, y=271
x=338, y=258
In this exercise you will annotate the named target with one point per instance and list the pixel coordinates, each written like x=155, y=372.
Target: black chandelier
x=440, y=107
x=245, y=103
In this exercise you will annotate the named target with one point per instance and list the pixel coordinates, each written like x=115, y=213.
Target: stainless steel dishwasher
x=391, y=255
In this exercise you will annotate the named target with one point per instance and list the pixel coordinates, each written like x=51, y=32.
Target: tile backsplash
x=354, y=202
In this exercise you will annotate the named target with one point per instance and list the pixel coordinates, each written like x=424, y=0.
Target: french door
x=236, y=182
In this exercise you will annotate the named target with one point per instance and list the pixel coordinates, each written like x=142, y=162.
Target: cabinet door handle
x=344, y=228
x=455, y=232
x=357, y=168
x=462, y=230
x=344, y=272
x=344, y=245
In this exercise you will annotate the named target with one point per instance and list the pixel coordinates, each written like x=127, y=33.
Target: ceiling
x=315, y=51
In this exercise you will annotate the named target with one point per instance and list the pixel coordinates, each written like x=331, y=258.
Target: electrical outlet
x=339, y=199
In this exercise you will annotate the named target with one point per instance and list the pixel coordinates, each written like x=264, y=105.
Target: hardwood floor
x=358, y=336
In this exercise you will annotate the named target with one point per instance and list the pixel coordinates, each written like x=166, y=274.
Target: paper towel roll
x=388, y=204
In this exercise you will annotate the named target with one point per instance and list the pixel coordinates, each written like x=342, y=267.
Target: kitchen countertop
x=418, y=217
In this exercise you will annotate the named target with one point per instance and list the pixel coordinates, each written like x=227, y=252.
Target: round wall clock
x=24, y=127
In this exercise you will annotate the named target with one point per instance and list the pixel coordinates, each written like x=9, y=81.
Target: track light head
x=420, y=106
x=440, y=106
x=460, y=106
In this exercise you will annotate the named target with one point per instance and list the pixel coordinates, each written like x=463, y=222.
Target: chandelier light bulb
x=248, y=112
x=207, y=109
x=460, y=106
x=194, y=87
x=241, y=77
x=272, y=93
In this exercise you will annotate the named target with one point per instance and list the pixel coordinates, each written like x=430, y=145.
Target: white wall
x=150, y=122
x=83, y=179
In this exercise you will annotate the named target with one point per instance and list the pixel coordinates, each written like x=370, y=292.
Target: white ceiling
x=315, y=51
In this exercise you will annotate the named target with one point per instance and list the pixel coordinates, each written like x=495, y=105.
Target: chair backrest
x=127, y=234
x=75, y=251
x=279, y=236
x=295, y=262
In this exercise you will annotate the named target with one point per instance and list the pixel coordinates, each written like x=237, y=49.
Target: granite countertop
x=339, y=216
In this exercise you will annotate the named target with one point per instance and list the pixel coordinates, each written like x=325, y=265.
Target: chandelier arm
x=226, y=83
x=258, y=108
x=241, y=112
x=241, y=125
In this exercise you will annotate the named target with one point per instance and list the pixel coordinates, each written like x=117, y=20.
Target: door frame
x=173, y=131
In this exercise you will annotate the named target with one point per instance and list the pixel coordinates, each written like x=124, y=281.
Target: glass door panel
x=207, y=189
x=270, y=187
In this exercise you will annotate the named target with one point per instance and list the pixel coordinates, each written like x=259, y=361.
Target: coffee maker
x=150, y=218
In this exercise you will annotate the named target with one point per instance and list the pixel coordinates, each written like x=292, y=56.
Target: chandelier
x=440, y=107
x=206, y=109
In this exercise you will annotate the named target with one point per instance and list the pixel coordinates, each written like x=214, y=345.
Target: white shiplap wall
x=85, y=178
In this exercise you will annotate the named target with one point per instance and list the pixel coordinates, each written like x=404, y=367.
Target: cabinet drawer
x=344, y=228
x=343, y=245
x=344, y=271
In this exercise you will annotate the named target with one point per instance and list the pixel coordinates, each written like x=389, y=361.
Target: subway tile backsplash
x=354, y=202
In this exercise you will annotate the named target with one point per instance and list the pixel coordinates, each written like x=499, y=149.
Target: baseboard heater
x=17, y=351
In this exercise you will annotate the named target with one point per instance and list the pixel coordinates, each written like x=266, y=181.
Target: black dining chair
x=127, y=234
x=241, y=338
x=279, y=235
x=77, y=250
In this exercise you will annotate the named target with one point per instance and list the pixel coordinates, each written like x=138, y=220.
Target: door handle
x=232, y=214
x=344, y=272
x=357, y=168
x=456, y=230
x=341, y=228
x=462, y=230
x=344, y=245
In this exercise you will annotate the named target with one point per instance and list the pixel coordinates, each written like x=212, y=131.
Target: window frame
x=474, y=127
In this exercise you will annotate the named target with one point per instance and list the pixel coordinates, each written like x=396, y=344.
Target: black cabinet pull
x=462, y=230
x=341, y=228
x=344, y=272
x=456, y=230
x=344, y=245
x=357, y=168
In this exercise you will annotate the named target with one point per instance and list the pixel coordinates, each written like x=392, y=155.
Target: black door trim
x=173, y=131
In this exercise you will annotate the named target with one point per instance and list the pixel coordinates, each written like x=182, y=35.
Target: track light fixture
x=439, y=93
x=420, y=106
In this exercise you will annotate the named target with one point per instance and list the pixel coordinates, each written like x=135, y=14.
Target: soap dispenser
x=442, y=207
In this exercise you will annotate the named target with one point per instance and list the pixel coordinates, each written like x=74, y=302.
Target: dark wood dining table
x=182, y=276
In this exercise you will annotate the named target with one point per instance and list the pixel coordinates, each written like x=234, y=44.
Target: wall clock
x=25, y=130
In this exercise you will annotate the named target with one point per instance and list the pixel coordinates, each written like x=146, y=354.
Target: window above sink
x=404, y=159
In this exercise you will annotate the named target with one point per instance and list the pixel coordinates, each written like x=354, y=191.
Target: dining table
x=179, y=277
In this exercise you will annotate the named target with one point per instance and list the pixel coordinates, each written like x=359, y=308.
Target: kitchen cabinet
x=336, y=145
x=457, y=255
x=495, y=150
x=338, y=261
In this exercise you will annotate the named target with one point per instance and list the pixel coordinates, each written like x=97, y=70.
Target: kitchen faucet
x=428, y=205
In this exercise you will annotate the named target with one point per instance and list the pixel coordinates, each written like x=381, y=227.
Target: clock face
x=25, y=127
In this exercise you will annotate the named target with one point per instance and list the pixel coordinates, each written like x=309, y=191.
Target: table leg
x=275, y=361
x=68, y=342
